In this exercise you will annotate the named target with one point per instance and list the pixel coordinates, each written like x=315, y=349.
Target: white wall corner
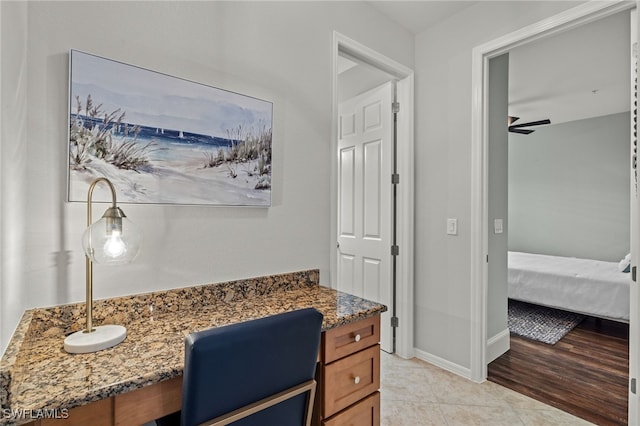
x=443, y=363
x=498, y=345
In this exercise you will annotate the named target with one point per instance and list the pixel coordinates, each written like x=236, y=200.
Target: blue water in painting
x=163, y=139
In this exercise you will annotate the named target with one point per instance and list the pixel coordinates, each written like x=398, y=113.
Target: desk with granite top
x=140, y=379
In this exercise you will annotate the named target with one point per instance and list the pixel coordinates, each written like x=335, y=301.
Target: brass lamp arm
x=89, y=264
x=90, y=196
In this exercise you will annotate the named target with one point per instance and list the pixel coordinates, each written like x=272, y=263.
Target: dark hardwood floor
x=585, y=373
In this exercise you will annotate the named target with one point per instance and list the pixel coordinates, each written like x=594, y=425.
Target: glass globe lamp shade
x=112, y=240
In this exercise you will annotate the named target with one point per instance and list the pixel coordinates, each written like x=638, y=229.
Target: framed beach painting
x=165, y=140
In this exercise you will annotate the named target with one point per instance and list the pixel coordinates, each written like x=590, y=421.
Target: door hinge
x=632, y=385
x=487, y=258
x=394, y=322
x=395, y=250
x=395, y=107
x=395, y=178
x=633, y=274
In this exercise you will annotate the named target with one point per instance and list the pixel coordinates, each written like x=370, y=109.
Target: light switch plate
x=497, y=226
x=452, y=226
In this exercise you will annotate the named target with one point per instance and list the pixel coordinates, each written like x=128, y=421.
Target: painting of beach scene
x=165, y=140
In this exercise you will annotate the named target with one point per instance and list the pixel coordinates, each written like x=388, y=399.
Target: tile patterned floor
x=416, y=393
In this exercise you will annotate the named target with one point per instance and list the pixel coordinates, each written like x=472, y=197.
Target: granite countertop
x=37, y=374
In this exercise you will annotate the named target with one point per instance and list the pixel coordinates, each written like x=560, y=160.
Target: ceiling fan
x=518, y=128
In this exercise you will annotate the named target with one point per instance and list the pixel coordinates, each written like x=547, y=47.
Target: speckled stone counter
x=37, y=374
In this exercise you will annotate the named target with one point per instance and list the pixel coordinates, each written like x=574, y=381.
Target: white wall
x=13, y=168
x=272, y=50
x=443, y=162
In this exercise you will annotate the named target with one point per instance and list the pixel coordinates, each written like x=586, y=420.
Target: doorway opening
x=480, y=219
x=565, y=197
x=380, y=69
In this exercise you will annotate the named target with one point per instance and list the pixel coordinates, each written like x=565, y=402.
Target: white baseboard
x=497, y=345
x=443, y=363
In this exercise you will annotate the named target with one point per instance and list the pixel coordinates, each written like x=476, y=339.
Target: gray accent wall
x=569, y=189
x=497, y=194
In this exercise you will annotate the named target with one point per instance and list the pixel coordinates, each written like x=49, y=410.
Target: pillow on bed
x=625, y=264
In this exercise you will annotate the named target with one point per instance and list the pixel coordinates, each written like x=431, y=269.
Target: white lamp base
x=104, y=336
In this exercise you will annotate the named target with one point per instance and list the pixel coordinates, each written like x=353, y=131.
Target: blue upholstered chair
x=239, y=368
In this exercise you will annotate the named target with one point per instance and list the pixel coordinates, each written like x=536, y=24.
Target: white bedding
x=591, y=287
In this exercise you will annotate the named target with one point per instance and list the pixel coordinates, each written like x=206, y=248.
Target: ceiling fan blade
x=521, y=131
x=532, y=123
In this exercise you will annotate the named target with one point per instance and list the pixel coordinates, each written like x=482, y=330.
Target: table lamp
x=112, y=240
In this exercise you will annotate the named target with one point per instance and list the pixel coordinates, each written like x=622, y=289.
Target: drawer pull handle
x=357, y=338
x=356, y=380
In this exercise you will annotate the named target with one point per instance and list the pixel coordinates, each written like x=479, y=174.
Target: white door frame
x=405, y=224
x=634, y=320
x=481, y=55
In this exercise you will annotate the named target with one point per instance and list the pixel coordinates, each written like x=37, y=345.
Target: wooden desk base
x=133, y=408
x=351, y=350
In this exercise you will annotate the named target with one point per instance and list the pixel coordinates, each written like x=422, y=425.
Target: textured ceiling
x=573, y=75
x=418, y=16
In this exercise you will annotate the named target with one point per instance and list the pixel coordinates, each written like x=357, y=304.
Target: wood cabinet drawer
x=364, y=413
x=350, y=338
x=350, y=379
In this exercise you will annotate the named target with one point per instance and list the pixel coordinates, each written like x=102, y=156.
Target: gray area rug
x=540, y=323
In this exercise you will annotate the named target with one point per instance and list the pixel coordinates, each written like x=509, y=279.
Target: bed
x=590, y=287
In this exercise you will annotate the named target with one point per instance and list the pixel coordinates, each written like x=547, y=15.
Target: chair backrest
x=229, y=367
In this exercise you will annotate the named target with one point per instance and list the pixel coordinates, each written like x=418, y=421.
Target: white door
x=365, y=150
x=634, y=295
